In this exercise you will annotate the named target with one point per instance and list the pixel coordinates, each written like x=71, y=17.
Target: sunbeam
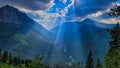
x=61, y=48
x=59, y=33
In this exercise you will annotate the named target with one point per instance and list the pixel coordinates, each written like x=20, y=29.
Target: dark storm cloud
x=28, y=4
x=85, y=7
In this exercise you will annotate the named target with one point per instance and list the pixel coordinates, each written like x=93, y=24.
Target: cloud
x=102, y=17
x=108, y=21
x=62, y=6
x=95, y=15
x=86, y=7
x=36, y=9
x=73, y=19
x=50, y=19
x=29, y=4
x=64, y=1
x=62, y=10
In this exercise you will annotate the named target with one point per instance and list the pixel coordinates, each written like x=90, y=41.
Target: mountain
x=70, y=41
x=23, y=36
x=16, y=20
x=79, y=37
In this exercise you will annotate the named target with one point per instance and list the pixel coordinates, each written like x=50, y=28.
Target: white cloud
x=95, y=15
x=49, y=20
x=30, y=5
x=108, y=21
x=64, y=1
x=72, y=19
x=64, y=10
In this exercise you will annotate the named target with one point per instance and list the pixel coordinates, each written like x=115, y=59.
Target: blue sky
x=50, y=13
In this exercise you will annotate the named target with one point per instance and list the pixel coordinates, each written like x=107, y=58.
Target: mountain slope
x=80, y=37
x=21, y=35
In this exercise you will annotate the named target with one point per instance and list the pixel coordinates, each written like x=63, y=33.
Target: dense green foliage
x=9, y=61
x=112, y=58
x=115, y=36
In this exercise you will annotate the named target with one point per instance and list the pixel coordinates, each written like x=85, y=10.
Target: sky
x=49, y=13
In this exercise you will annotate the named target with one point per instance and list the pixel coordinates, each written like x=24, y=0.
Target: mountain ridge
x=84, y=36
x=21, y=35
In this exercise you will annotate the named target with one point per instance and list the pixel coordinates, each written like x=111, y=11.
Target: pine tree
x=18, y=60
x=28, y=62
x=78, y=65
x=15, y=60
x=10, y=58
x=73, y=65
x=0, y=53
x=99, y=64
x=5, y=56
x=115, y=11
x=37, y=62
x=90, y=60
x=115, y=36
x=23, y=61
x=112, y=58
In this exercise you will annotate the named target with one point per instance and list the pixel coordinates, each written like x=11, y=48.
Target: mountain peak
x=12, y=17
x=9, y=13
x=8, y=8
x=7, y=5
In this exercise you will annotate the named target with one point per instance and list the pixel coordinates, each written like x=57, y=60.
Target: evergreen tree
x=18, y=60
x=15, y=60
x=23, y=61
x=112, y=58
x=78, y=65
x=115, y=36
x=37, y=62
x=10, y=59
x=58, y=66
x=115, y=11
x=99, y=64
x=28, y=62
x=5, y=56
x=73, y=65
x=90, y=60
x=0, y=53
